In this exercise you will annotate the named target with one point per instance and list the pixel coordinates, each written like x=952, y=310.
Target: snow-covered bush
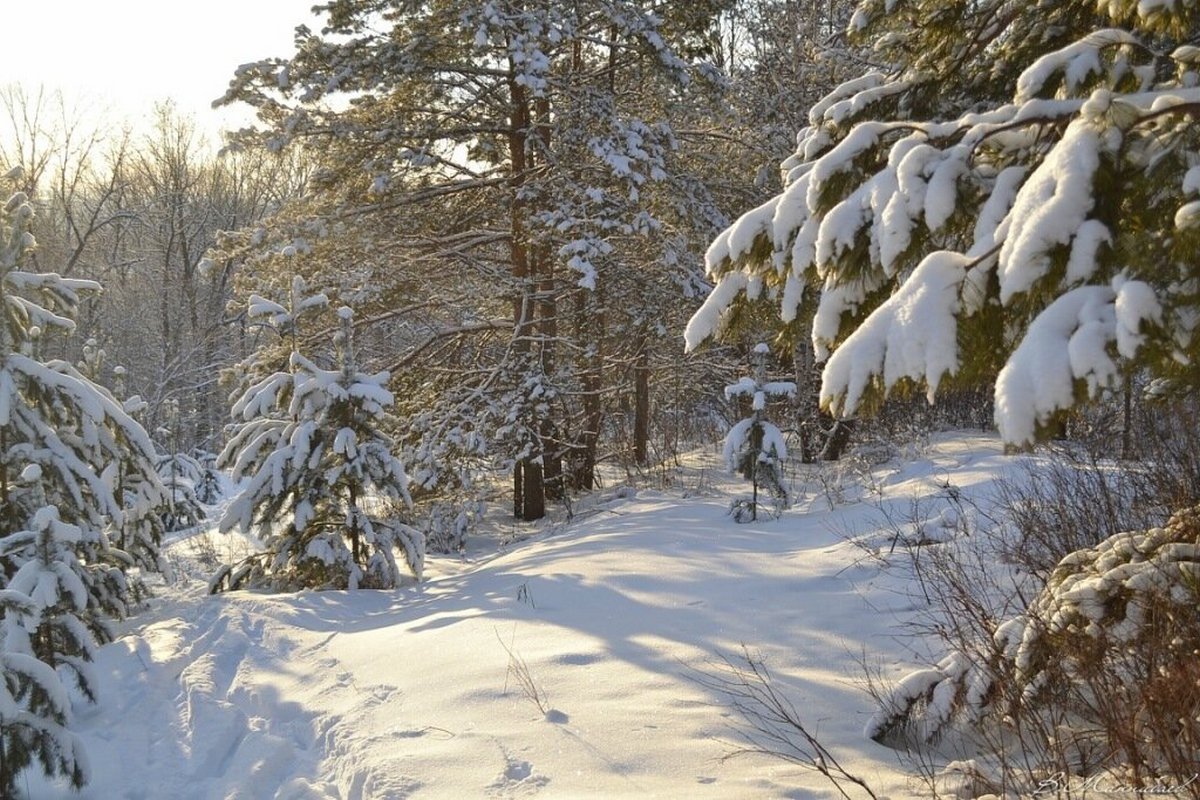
x=319, y=496
x=1101, y=667
x=754, y=447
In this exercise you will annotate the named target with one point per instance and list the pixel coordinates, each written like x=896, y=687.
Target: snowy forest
x=614, y=398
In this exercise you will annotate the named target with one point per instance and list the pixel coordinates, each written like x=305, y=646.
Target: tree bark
x=641, y=406
x=838, y=441
x=529, y=501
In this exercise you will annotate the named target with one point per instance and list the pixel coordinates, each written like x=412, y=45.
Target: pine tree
x=79, y=437
x=561, y=262
x=314, y=497
x=755, y=447
x=1009, y=200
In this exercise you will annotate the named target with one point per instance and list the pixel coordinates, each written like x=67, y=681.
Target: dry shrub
x=1074, y=677
x=1083, y=493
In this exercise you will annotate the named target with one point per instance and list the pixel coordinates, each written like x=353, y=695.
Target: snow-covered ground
x=418, y=692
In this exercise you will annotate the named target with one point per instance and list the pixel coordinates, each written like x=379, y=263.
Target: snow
x=773, y=444
x=941, y=198
x=1066, y=342
x=735, y=241
x=707, y=318
x=1081, y=264
x=1050, y=209
x=1191, y=181
x=411, y=693
x=1135, y=303
x=1077, y=61
x=846, y=90
x=734, y=442
x=913, y=334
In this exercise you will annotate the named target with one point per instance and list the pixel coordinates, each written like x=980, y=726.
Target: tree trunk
x=641, y=406
x=838, y=441
x=1127, y=420
x=518, y=489
x=357, y=556
x=590, y=327
x=529, y=497
x=529, y=501
x=542, y=266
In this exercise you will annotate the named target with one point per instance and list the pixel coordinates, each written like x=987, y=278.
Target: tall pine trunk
x=590, y=321
x=529, y=501
x=641, y=404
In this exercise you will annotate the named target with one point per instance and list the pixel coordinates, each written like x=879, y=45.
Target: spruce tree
x=180, y=474
x=63, y=442
x=43, y=634
x=75, y=432
x=321, y=499
x=755, y=447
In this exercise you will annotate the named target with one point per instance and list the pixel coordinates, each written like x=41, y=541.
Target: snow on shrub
x=1115, y=619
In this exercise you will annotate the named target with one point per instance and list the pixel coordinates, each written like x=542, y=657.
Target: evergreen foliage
x=1008, y=198
x=43, y=634
x=63, y=443
x=320, y=493
x=754, y=446
x=181, y=475
x=207, y=480
x=74, y=431
x=569, y=228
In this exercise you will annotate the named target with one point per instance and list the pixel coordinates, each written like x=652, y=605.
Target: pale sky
x=129, y=54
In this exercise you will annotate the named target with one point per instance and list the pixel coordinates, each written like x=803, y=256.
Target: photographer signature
x=1102, y=784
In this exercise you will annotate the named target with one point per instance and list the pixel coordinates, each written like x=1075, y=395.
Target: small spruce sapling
x=754, y=446
x=44, y=633
x=312, y=499
x=207, y=484
x=179, y=473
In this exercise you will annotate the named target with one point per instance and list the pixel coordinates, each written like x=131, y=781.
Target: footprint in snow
x=517, y=780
